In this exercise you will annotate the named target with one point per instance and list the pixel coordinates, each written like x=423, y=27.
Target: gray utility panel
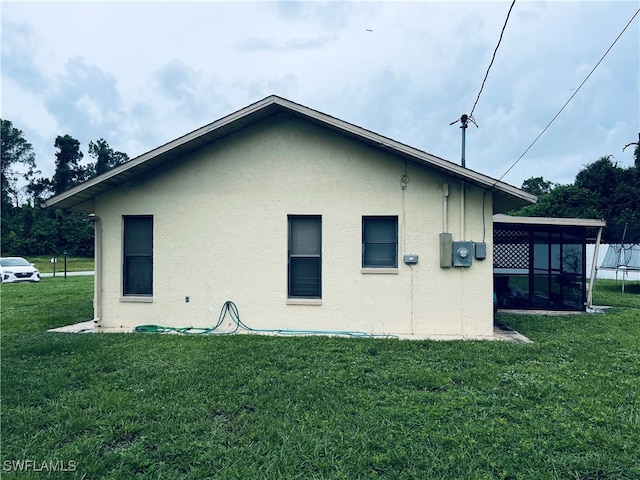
x=462, y=254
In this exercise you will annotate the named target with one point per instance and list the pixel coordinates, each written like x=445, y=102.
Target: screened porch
x=540, y=263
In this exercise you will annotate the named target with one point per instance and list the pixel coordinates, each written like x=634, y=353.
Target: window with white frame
x=380, y=242
x=137, y=252
x=305, y=256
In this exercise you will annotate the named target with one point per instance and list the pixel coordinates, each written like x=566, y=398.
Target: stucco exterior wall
x=220, y=233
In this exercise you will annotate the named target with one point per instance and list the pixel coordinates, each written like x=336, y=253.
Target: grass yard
x=74, y=264
x=149, y=406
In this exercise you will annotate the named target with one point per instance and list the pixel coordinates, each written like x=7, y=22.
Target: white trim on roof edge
x=562, y=222
x=256, y=112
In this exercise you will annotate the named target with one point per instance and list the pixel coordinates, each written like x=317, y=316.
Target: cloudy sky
x=141, y=73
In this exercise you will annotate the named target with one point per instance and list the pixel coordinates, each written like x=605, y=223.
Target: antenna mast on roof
x=464, y=120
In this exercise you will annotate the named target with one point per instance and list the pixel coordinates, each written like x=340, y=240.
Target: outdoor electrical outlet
x=186, y=299
x=411, y=259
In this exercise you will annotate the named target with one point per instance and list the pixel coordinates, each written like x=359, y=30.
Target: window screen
x=305, y=259
x=138, y=255
x=379, y=241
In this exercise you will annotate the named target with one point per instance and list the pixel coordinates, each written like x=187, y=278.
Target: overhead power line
x=574, y=94
x=492, y=58
x=465, y=119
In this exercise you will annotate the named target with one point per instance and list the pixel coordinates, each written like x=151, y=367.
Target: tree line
x=602, y=189
x=27, y=229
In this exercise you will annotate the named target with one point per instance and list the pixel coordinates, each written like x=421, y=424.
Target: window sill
x=391, y=271
x=304, y=301
x=134, y=299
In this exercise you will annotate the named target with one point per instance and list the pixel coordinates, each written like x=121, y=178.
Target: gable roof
x=505, y=196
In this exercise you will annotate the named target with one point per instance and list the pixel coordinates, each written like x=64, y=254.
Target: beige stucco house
x=304, y=221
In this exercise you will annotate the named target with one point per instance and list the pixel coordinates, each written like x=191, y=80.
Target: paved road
x=69, y=274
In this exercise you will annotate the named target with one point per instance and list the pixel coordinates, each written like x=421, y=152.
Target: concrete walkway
x=82, y=327
x=500, y=332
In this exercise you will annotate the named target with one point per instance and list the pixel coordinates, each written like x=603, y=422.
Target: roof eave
x=553, y=221
x=507, y=197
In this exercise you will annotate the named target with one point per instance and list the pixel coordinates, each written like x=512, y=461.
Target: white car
x=17, y=269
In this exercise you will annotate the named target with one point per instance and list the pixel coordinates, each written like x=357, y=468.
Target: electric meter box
x=462, y=254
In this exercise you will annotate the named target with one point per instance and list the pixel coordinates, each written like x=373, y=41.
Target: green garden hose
x=230, y=308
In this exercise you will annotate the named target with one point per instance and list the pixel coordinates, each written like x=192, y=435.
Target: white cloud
x=17, y=56
x=142, y=73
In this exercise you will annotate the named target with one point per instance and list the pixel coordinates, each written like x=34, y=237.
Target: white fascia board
x=323, y=119
x=561, y=222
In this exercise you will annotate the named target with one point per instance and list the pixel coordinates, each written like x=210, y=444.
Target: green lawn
x=152, y=406
x=609, y=292
x=74, y=264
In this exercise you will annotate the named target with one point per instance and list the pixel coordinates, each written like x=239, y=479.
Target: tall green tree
x=39, y=189
x=563, y=201
x=26, y=228
x=600, y=178
x=537, y=186
x=69, y=172
x=17, y=159
x=106, y=158
x=601, y=189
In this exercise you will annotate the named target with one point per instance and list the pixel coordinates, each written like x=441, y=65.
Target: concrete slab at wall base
x=82, y=327
x=499, y=333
